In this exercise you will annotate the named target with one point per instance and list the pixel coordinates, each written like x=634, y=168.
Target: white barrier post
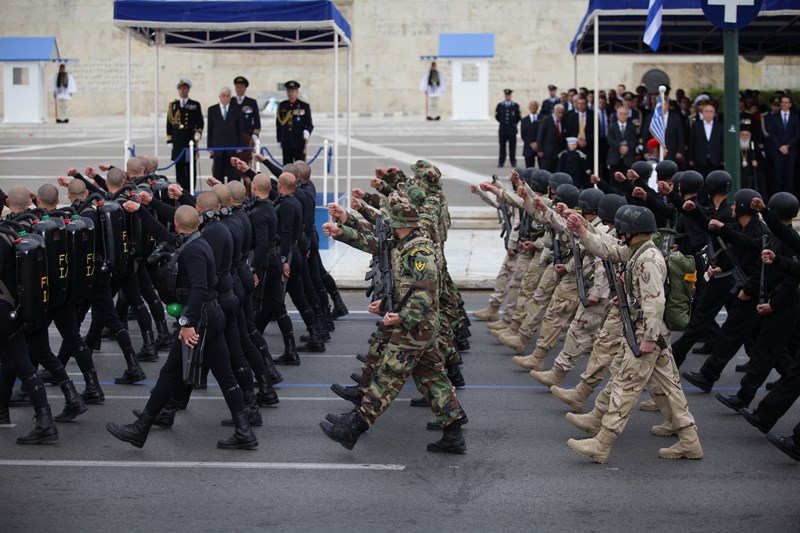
x=325, y=172
x=125, y=153
x=257, y=150
x=191, y=167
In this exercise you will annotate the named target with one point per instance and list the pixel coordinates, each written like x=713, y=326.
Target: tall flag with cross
x=652, y=28
x=657, y=122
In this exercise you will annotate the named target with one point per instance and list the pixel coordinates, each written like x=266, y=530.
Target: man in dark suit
x=603, y=122
x=551, y=139
x=674, y=138
x=293, y=124
x=250, y=115
x=508, y=115
x=705, y=152
x=529, y=127
x=224, y=131
x=784, y=136
x=622, y=139
x=184, y=124
x=580, y=124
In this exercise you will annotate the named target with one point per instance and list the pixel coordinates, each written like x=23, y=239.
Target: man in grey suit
x=224, y=131
x=622, y=140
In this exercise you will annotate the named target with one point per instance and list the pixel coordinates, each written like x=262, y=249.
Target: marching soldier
x=293, y=124
x=184, y=124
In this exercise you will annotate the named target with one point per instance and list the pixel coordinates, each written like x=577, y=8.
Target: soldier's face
x=291, y=94
x=240, y=89
x=183, y=91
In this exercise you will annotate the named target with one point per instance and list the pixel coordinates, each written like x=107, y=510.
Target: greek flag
x=652, y=29
x=657, y=122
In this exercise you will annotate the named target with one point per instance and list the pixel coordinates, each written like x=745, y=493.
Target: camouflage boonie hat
x=402, y=213
x=425, y=170
x=416, y=194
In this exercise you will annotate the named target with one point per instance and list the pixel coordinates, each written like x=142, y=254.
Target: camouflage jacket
x=417, y=278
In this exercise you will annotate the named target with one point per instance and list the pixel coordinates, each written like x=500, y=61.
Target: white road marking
x=206, y=398
x=202, y=464
x=8, y=425
x=38, y=147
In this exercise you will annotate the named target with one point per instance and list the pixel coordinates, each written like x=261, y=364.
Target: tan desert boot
x=590, y=422
x=663, y=430
x=688, y=447
x=574, y=398
x=596, y=448
x=498, y=324
x=515, y=341
x=489, y=313
x=550, y=378
x=648, y=405
x=527, y=362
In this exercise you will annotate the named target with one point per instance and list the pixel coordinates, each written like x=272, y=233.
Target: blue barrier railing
x=182, y=154
x=264, y=151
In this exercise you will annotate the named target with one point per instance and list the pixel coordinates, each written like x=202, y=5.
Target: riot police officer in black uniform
x=508, y=115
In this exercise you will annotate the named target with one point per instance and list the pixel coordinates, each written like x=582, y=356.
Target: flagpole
x=596, y=133
x=662, y=90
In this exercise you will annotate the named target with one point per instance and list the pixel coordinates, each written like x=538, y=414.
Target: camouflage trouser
x=377, y=347
x=450, y=303
x=530, y=281
x=657, y=370
x=581, y=334
x=401, y=360
x=514, y=284
x=503, y=278
x=536, y=307
x=563, y=306
x=445, y=344
x=607, y=345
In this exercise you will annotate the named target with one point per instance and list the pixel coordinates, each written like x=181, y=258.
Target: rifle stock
x=625, y=313
x=576, y=255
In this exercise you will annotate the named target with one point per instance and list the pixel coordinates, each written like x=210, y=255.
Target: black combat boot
x=134, y=373
x=73, y=403
x=342, y=419
x=92, y=394
x=345, y=434
x=452, y=440
x=165, y=337
x=45, y=431
x=315, y=343
x=322, y=325
x=462, y=340
x=251, y=407
x=149, y=352
x=339, y=309
x=455, y=376
x=266, y=395
x=166, y=417
x=350, y=394
x=243, y=437
x=289, y=356
x=274, y=374
x=136, y=433
x=699, y=380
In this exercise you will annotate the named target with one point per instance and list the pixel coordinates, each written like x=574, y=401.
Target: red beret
x=652, y=144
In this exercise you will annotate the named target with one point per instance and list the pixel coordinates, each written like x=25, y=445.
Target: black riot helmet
x=643, y=169
x=589, y=200
x=608, y=206
x=784, y=204
x=718, y=182
x=666, y=169
x=567, y=194
x=742, y=200
x=559, y=178
x=527, y=175
x=634, y=219
x=690, y=182
x=540, y=180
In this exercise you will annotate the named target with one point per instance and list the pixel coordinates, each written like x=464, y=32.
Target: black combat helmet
x=666, y=169
x=718, y=182
x=559, y=178
x=691, y=181
x=589, y=200
x=785, y=205
x=608, y=206
x=634, y=219
x=742, y=201
x=643, y=169
x=540, y=181
x=567, y=194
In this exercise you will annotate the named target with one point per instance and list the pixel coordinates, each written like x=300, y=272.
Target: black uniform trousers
x=72, y=345
x=781, y=398
x=716, y=294
x=509, y=139
x=743, y=323
x=296, y=290
x=104, y=314
x=253, y=343
x=290, y=155
x=132, y=291
x=530, y=160
x=170, y=380
x=222, y=169
x=316, y=271
x=772, y=343
x=272, y=298
x=149, y=295
x=16, y=362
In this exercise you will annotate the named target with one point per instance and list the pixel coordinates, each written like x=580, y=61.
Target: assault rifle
x=762, y=289
x=624, y=310
x=503, y=215
x=739, y=277
x=556, y=247
x=381, y=274
x=576, y=255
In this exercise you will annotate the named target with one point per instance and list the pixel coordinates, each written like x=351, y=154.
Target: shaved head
x=238, y=192
x=19, y=198
x=223, y=193
x=135, y=166
x=262, y=184
x=287, y=182
x=116, y=178
x=186, y=219
x=304, y=171
x=207, y=200
x=47, y=196
x=292, y=169
x=76, y=188
x=151, y=163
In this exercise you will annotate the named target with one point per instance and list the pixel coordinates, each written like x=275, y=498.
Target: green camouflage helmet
x=416, y=194
x=402, y=214
x=424, y=170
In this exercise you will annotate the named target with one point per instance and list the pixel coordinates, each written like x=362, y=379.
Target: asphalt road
x=518, y=473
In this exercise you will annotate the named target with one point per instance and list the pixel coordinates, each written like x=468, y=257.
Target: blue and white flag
x=652, y=29
x=657, y=122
